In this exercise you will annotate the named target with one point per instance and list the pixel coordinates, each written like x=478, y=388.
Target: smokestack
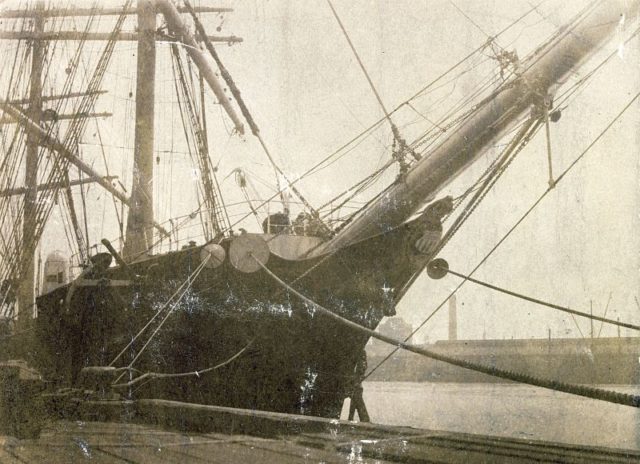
x=453, y=319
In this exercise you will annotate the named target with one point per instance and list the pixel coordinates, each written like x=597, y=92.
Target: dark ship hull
x=299, y=361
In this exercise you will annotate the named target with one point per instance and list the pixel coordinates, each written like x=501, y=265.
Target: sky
x=309, y=97
x=579, y=245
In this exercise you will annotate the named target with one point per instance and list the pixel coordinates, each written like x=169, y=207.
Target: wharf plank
x=456, y=448
x=177, y=433
x=6, y=454
x=131, y=443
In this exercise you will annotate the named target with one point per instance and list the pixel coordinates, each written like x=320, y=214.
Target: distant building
x=575, y=360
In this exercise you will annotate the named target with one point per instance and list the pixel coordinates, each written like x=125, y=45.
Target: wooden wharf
x=162, y=431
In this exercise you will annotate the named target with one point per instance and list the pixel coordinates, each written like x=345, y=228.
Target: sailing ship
x=242, y=319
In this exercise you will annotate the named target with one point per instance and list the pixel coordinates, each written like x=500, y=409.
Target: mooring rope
x=513, y=227
x=541, y=302
x=187, y=282
x=159, y=375
x=580, y=390
x=191, y=279
x=187, y=286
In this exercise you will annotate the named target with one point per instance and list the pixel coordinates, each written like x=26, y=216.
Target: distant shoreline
x=611, y=360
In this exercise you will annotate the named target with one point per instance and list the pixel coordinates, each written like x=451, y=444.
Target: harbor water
x=510, y=410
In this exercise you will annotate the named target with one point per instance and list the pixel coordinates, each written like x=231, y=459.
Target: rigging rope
x=185, y=285
x=318, y=166
x=17, y=263
x=106, y=169
x=471, y=207
x=518, y=222
x=486, y=181
x=516, y=145
x=606, y=309
x=541, y=302
x=16, y=267
x=188, y=282
x=212, y=197
x=490, y=39
x=402, y=147
x=75, y=224
x=159, y=375
x=580, y=390
x=541, y=51
x=254, y=127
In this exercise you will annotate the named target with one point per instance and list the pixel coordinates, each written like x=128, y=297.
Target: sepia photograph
x=319, y=231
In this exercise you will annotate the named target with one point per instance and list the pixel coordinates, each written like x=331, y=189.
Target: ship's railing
x=188, y=230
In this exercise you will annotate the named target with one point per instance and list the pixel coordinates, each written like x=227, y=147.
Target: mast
x=548, y=68
x=56, y=145
x=140, y=223
x=26, y=291
x=139, y=235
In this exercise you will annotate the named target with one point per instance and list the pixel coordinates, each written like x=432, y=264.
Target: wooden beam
x=57, y=97
x=50, y=186
x=48, y=117
x=76, y=35
x=71, y=12
x=177, y=26
x=50, y=141
x=27, y=270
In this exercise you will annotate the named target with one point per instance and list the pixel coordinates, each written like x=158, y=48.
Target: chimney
x=453, y=319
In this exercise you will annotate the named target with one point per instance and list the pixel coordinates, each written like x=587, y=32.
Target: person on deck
x=277, y=223
x=306, y=224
